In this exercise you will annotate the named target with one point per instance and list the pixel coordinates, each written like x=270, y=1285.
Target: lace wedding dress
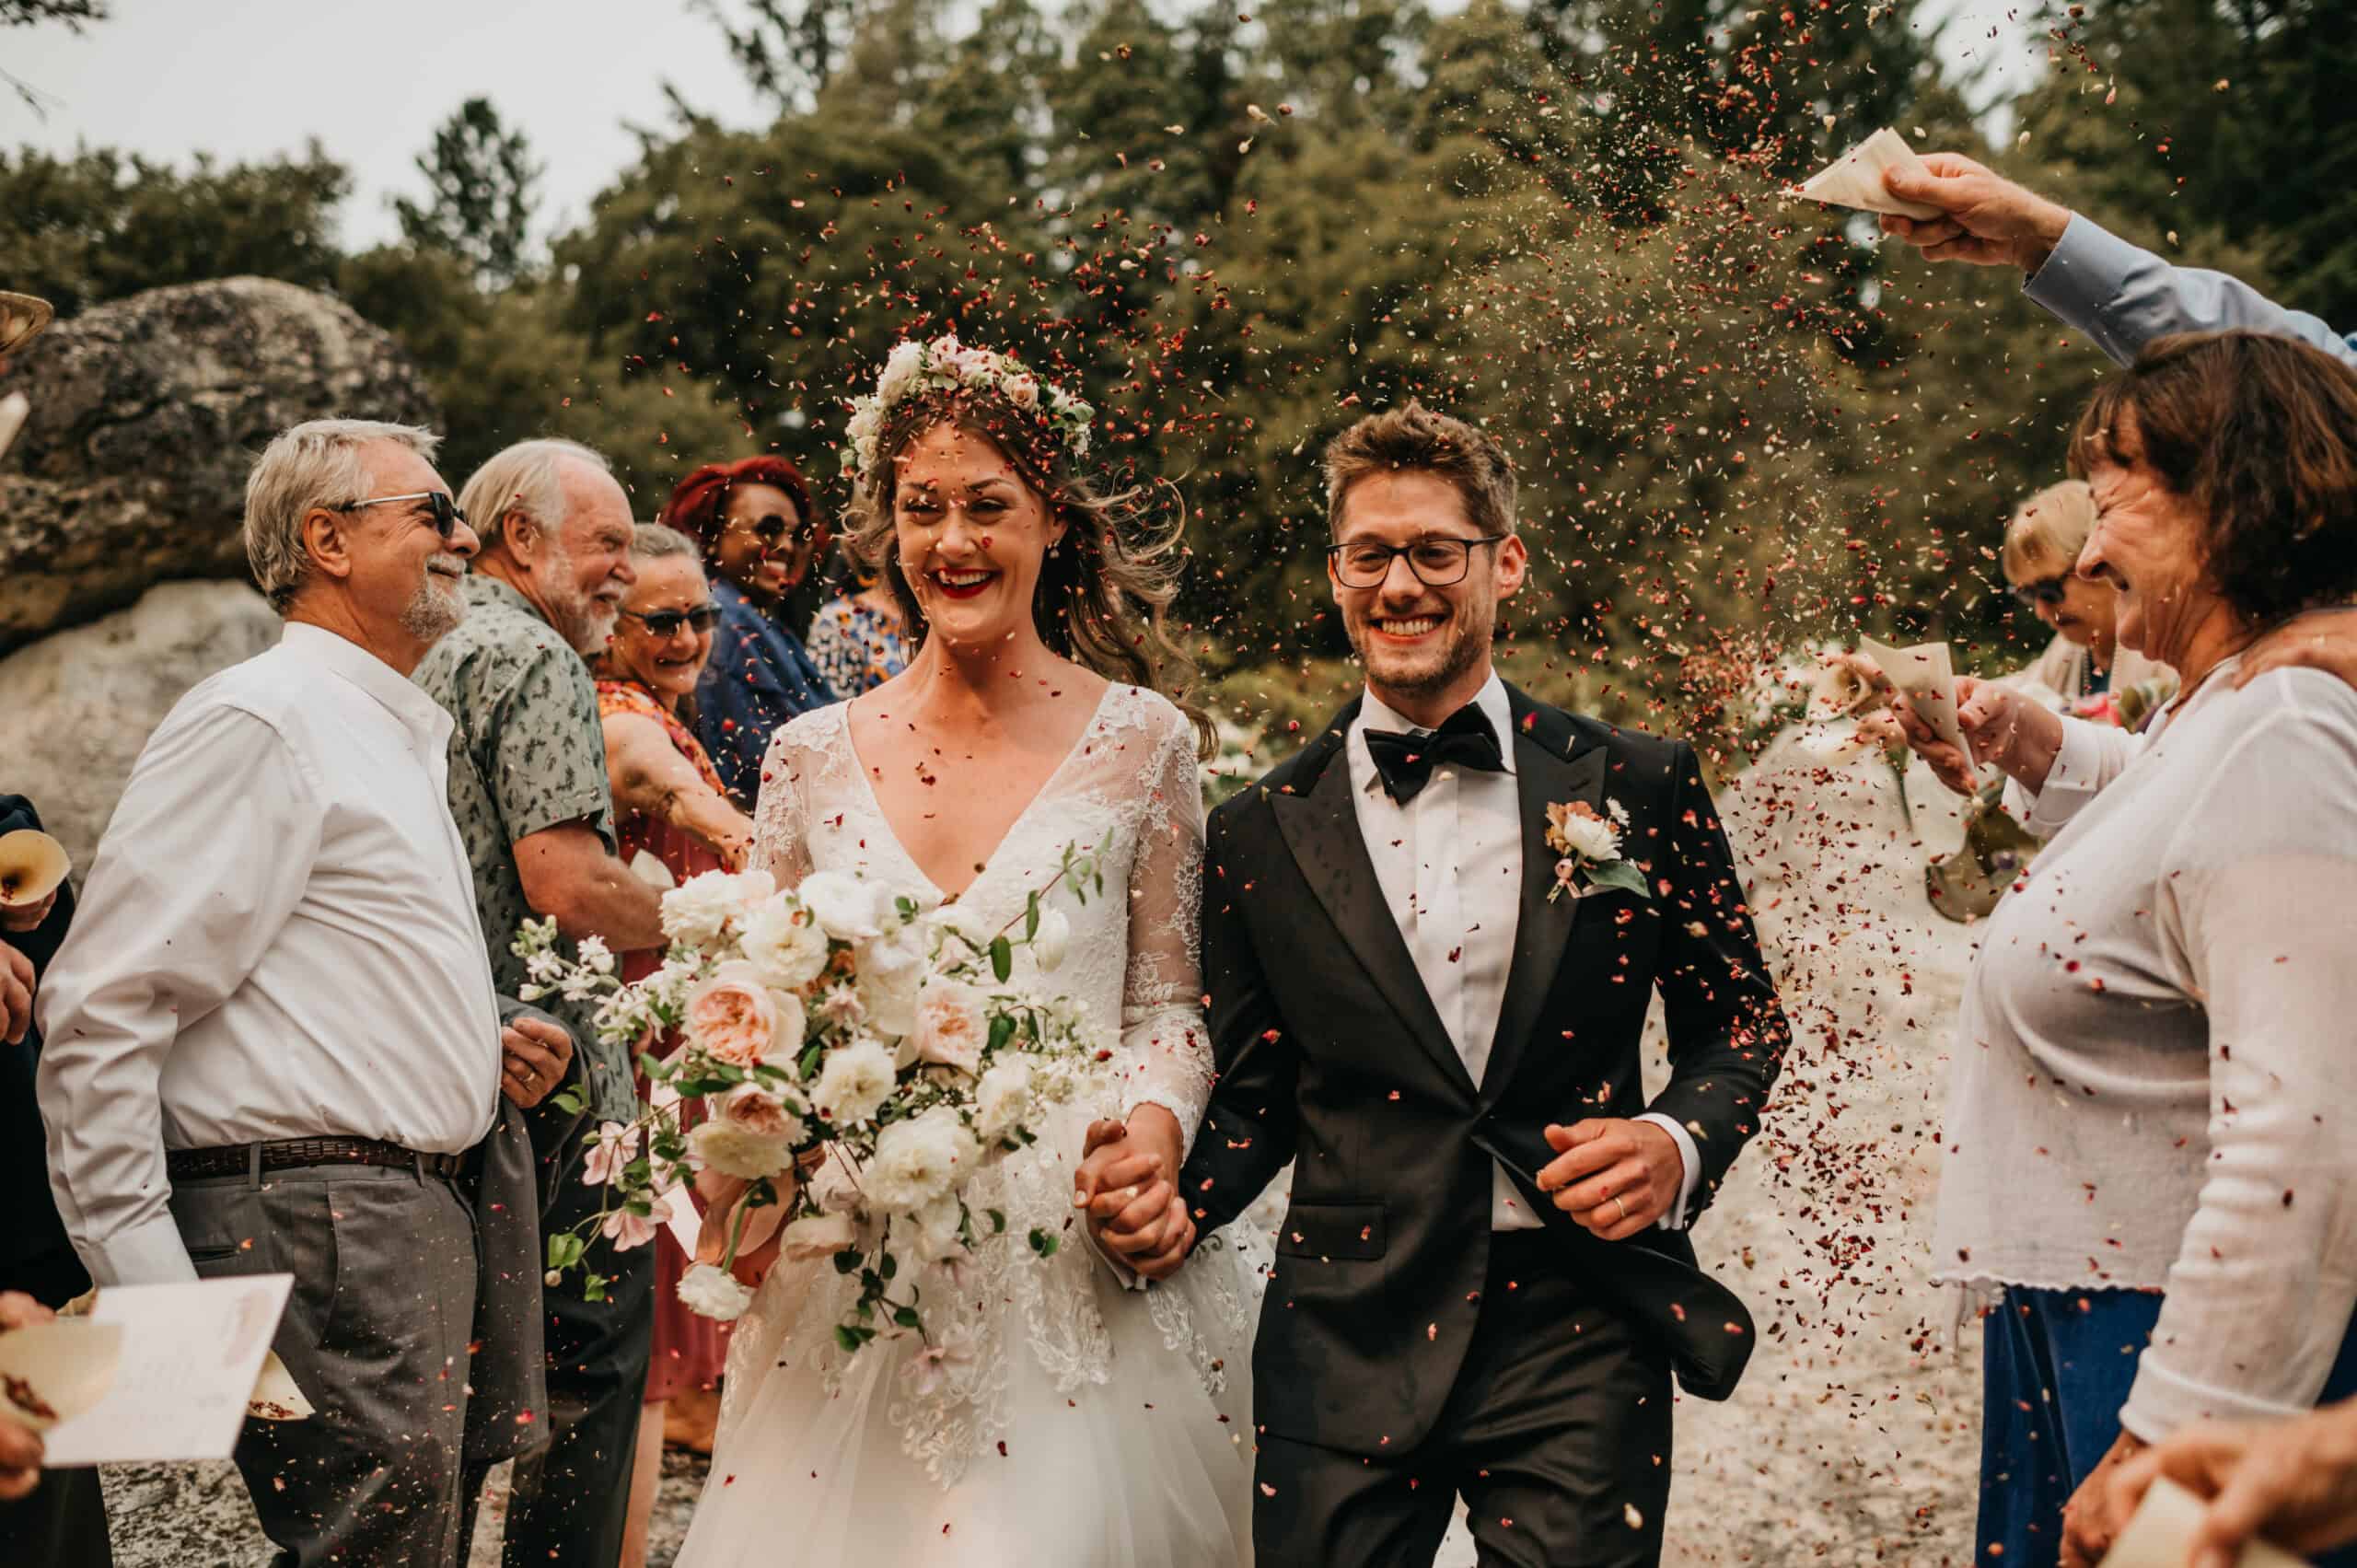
x=1057, y=1418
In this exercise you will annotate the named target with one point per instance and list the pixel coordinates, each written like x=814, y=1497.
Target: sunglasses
x=441, y=510
x=2047, y=591
x=771, y=529
x=663, y=622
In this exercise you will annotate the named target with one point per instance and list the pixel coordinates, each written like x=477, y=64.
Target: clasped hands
x=1128, y=1190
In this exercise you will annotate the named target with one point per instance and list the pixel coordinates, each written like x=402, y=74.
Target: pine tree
x=481, y=176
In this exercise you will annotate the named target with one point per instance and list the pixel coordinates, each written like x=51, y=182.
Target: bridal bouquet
x=845, y=1053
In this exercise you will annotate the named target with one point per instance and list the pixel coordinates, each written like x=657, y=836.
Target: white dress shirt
x=277, y=940
x=1449, y=863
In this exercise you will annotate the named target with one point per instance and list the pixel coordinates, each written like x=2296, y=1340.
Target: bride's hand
x=719, y=1197
x=1128, y=1185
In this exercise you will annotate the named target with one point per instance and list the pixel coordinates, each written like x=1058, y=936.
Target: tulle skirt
x=1122, y=1457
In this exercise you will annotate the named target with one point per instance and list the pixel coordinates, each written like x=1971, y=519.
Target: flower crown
x=947, y=364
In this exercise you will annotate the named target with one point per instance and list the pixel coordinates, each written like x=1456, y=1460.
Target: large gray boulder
x=146, y=413
x=77, y=707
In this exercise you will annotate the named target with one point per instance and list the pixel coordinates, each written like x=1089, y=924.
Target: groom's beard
x=1462, y=647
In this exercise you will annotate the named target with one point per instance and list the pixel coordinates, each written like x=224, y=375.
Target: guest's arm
x=208, y=853
x=2054, y=765
x=570, y=874
x=2121, y=295
x=650, y=778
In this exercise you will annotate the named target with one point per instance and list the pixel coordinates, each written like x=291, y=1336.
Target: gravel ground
x=1854, y=1437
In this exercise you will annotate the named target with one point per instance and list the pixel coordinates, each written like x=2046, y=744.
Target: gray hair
x=312, y=465
x=524, y=478
x=653, y=541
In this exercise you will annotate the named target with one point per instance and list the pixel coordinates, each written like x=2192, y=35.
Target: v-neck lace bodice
x=1078, y=753
x=1129, y=790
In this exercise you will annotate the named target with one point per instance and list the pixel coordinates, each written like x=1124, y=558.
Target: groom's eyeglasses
x=1437, y=562
x=441, y=510
x=2047, y=591
x=663, y=622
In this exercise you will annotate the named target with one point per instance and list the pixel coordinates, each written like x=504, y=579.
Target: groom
x=1483, y=1283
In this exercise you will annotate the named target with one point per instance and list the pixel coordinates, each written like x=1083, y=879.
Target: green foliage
x=100, y=225
x=479, y=178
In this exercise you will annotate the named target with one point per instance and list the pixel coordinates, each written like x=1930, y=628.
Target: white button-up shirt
x=1449, y=863
x=277, y=939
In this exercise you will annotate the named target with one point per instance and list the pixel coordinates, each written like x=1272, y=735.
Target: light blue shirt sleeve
x=2123, y=297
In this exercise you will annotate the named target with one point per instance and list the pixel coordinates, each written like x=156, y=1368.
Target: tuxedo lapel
x=1321, y=826
x=1550, y=769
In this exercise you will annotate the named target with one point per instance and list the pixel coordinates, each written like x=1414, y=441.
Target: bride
x=1053, y=1417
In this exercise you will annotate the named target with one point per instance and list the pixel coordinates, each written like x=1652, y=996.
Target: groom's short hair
x=1415, y=437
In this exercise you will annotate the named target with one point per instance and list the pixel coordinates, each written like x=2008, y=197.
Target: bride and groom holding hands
x=1414, y=963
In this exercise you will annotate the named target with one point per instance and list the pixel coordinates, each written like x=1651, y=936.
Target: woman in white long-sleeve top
x=2152, y=1130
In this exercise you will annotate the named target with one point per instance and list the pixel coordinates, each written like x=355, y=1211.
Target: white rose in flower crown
x=1002, y=1098
x=734, y=1016
x=785, y=941
x=847, y=909
x=856, y=1079
x=715, y=1292
x=919, y=1160
x=1051, y=941
x=762, y=1114
x=901, y=370
x=734, y=1149
x=953, y=1024
x=697, y=911
x=817, y=1236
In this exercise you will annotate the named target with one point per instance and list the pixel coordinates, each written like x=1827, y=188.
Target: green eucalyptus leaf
x=1001, y=959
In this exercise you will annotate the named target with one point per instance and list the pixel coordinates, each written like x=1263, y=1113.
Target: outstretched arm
x=650, y=777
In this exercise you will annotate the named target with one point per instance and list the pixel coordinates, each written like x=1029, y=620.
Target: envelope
x=1927, y=675
x=1855, y=180
x=52, y=1372
x=2160, y=1535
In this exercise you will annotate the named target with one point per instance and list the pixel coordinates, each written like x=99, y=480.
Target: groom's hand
x=1614, y=1177
x=1128, y=1187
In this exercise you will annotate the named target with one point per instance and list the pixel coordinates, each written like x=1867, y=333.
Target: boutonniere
x=1589, y=842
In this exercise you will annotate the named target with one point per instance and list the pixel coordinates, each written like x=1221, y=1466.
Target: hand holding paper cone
x=1855, y=180
x=32, y=866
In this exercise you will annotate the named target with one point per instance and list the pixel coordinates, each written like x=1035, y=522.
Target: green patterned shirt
x=526, y=753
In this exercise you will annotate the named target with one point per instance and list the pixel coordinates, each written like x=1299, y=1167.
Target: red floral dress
x=690, y=1350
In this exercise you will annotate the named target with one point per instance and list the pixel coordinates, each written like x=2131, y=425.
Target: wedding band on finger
x=1622, y=1207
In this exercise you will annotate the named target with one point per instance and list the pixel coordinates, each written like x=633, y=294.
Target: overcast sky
x=248, y=78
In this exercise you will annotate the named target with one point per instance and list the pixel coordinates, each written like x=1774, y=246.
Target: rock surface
x=77, y=707
x=146, y=411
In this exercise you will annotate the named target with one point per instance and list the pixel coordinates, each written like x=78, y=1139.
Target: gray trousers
x=375, y=1334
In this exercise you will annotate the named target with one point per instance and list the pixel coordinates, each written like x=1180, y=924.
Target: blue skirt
x=2056, y=1368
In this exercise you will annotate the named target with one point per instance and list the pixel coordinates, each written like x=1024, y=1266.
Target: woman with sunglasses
x=759, y=534
x=668, y=803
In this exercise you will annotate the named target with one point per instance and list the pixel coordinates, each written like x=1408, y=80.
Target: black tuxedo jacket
x=1330, y=1055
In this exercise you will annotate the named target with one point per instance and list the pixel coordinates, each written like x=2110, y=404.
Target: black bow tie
x=1406, y=761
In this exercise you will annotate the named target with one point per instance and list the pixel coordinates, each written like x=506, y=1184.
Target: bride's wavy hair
x=1104, y=595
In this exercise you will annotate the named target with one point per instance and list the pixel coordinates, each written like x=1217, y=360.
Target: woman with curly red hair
x=760, y=533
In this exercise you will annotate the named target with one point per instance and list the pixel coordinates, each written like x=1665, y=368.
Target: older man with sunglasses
x=271, y=1038
x=528, y=788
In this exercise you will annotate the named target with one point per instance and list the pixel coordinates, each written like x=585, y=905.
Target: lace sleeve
x=781, y=842
x=1165, y=1050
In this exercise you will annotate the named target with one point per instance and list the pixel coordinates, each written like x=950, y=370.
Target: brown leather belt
x=285, y=1154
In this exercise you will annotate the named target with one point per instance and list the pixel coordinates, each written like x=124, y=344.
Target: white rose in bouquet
x=734, y=1149
x=919, y=1160
x=715, y=1292
x=734, y=1016
x=817, y=1236
x=953, y=1024
x=958, y=921
x=1002, y=1099
x=1051, y=941
x=853, y=1082
x=887, y=988
x=831, y=1186
x=785, y=943
x=696, y=913
x=937, y=1231
x=847, y=909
